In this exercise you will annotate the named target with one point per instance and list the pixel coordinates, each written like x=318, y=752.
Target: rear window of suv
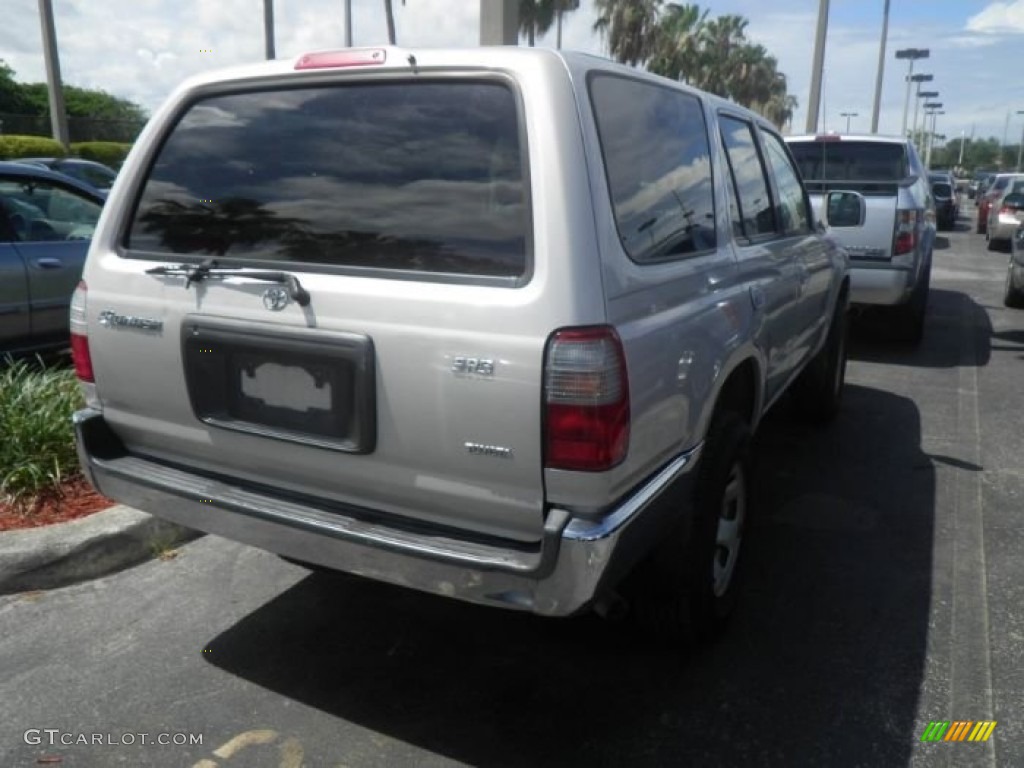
x=427, y=177
x=850, y=160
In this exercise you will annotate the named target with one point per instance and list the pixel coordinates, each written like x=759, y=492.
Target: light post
x=1020, y=148
x=912, y=54
x=919, y=138
x=268, y=28
x=932, y=108
x=848, y=115
x=817, y=67
x=348, y=23
x=881, y=69
x=58, y=115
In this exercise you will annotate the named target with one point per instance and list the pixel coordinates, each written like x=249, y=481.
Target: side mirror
x=845, y=209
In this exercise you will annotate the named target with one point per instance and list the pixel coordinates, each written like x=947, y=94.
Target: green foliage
x=110, y=153
x=13, y=147
x=38, y=447
x=681, y=42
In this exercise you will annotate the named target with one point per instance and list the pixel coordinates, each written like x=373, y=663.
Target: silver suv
x=891, y=249
x=494, y=324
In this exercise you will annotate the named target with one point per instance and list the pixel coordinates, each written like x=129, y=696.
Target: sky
x=140, y=49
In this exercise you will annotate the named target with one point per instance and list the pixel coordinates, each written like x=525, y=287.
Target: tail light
x=80, y=335
x=905, y=239
x=586, y=400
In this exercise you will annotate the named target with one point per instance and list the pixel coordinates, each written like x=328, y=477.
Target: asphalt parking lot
x=885, y=590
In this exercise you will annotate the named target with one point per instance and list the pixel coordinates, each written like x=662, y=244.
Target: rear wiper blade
x=193, y=273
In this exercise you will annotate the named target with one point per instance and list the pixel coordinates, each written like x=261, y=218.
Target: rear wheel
x=687, y=588
x=818, y=391
x=1012, y=296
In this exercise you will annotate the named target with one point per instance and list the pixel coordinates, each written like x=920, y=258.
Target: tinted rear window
x=426, y=177
x=850, y=160
x=941, y=189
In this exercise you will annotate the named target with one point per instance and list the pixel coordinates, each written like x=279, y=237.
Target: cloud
x=999, y=18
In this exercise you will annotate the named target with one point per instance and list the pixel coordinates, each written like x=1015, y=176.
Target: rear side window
x=425, y=177
x=757, y=216
x=850, y=160
x=658, y=163
x=941, y=189
x=792, y=201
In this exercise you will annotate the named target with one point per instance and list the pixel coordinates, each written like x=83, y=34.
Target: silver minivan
x=495, y=324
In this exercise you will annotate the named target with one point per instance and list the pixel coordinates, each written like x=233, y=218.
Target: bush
x=13, y=147
x=37, y=451
x=110, y=153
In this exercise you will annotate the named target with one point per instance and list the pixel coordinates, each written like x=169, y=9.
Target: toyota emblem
x=275, y=299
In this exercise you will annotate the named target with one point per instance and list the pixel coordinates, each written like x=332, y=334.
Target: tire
x=818, y=391
x=1012, y=297
x=908, y=319
x=685, y=591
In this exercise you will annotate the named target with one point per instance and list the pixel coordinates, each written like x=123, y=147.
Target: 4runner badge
x=275, y=299
x=110, y=319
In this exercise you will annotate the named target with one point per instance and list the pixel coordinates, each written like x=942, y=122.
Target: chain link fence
x=79, y=128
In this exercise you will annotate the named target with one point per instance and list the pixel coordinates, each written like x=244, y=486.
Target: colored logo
x=958, y=730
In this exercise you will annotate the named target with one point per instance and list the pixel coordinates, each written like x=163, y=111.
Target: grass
x=37, y=450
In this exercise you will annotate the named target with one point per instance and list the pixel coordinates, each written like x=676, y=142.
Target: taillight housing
x=586, y=400
x=80, y=335
x=905, y=238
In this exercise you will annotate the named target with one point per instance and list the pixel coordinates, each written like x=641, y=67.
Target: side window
x=657, y=159
x=792, y=201
x=41, y=212
x=735, y=216
x=756, y=209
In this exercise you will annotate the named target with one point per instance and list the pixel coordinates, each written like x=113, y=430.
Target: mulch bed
x=75, y=499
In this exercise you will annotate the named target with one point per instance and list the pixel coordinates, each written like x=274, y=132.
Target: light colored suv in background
x=891, y=254
x=495, y=324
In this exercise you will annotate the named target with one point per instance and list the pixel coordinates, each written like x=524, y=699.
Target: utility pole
x=268, y=28
x=817, y=67
x=58, y=117
x=499, y=22
x=913, y=54
x=1006, y=138
x=1020, y=147
x=348, y=23
x=881, y=69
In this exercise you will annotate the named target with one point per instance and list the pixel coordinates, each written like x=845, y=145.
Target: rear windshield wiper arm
x=193, y=273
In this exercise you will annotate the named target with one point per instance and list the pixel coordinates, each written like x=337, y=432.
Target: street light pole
x=817, y=67
x=926, y=95
x=1020, y=148
x=913, y=54
x=348, y=23
x=881, y=69
x=268, y=27
x=499, y=22
x=58, y=117
x=848, y=115
x=932, y=108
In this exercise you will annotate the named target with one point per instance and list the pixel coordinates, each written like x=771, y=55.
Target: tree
x=535, y=18
x=631, y=28
x=678, y=54
x=12, y=96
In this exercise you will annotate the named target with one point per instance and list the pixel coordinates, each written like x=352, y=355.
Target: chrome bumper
x=577, y=560
x=886, y=284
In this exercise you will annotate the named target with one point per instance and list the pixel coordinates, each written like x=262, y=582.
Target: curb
x=80, y=550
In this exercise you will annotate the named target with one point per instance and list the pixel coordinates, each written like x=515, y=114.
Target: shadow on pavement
x=957, y=311
x=821, y=666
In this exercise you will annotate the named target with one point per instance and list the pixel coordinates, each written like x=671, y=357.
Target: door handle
x=49, y=263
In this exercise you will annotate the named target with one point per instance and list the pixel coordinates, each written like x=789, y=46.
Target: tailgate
x=410, y=383
x=874, y=240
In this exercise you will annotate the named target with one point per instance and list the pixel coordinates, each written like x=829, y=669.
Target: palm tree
x=389, y=14
x=631, y=28
x=535, y=18
x=679, y=51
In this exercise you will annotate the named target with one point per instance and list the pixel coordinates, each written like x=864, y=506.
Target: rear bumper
x=1003, y=229
x=881, y=283
x=577, y=561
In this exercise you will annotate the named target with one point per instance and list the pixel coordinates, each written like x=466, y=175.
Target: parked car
x=46, y=221
x=1005, y=214
x=96, y=175
x=1013, y=295
x=498, y=327
x=891, y=255
x=978, y=182
x=994, y=189
x=946, y=198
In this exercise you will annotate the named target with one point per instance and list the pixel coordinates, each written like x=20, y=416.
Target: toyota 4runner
x=495, y=324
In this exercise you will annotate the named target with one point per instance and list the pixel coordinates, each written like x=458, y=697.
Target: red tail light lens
x=905, y=239
x=80, y=335
x=586, y=393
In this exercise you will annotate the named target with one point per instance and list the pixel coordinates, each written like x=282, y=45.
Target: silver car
x=46, y=222
x=891, y=255
x=1005, y=214
x=1013, y=295
x=495, y=324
